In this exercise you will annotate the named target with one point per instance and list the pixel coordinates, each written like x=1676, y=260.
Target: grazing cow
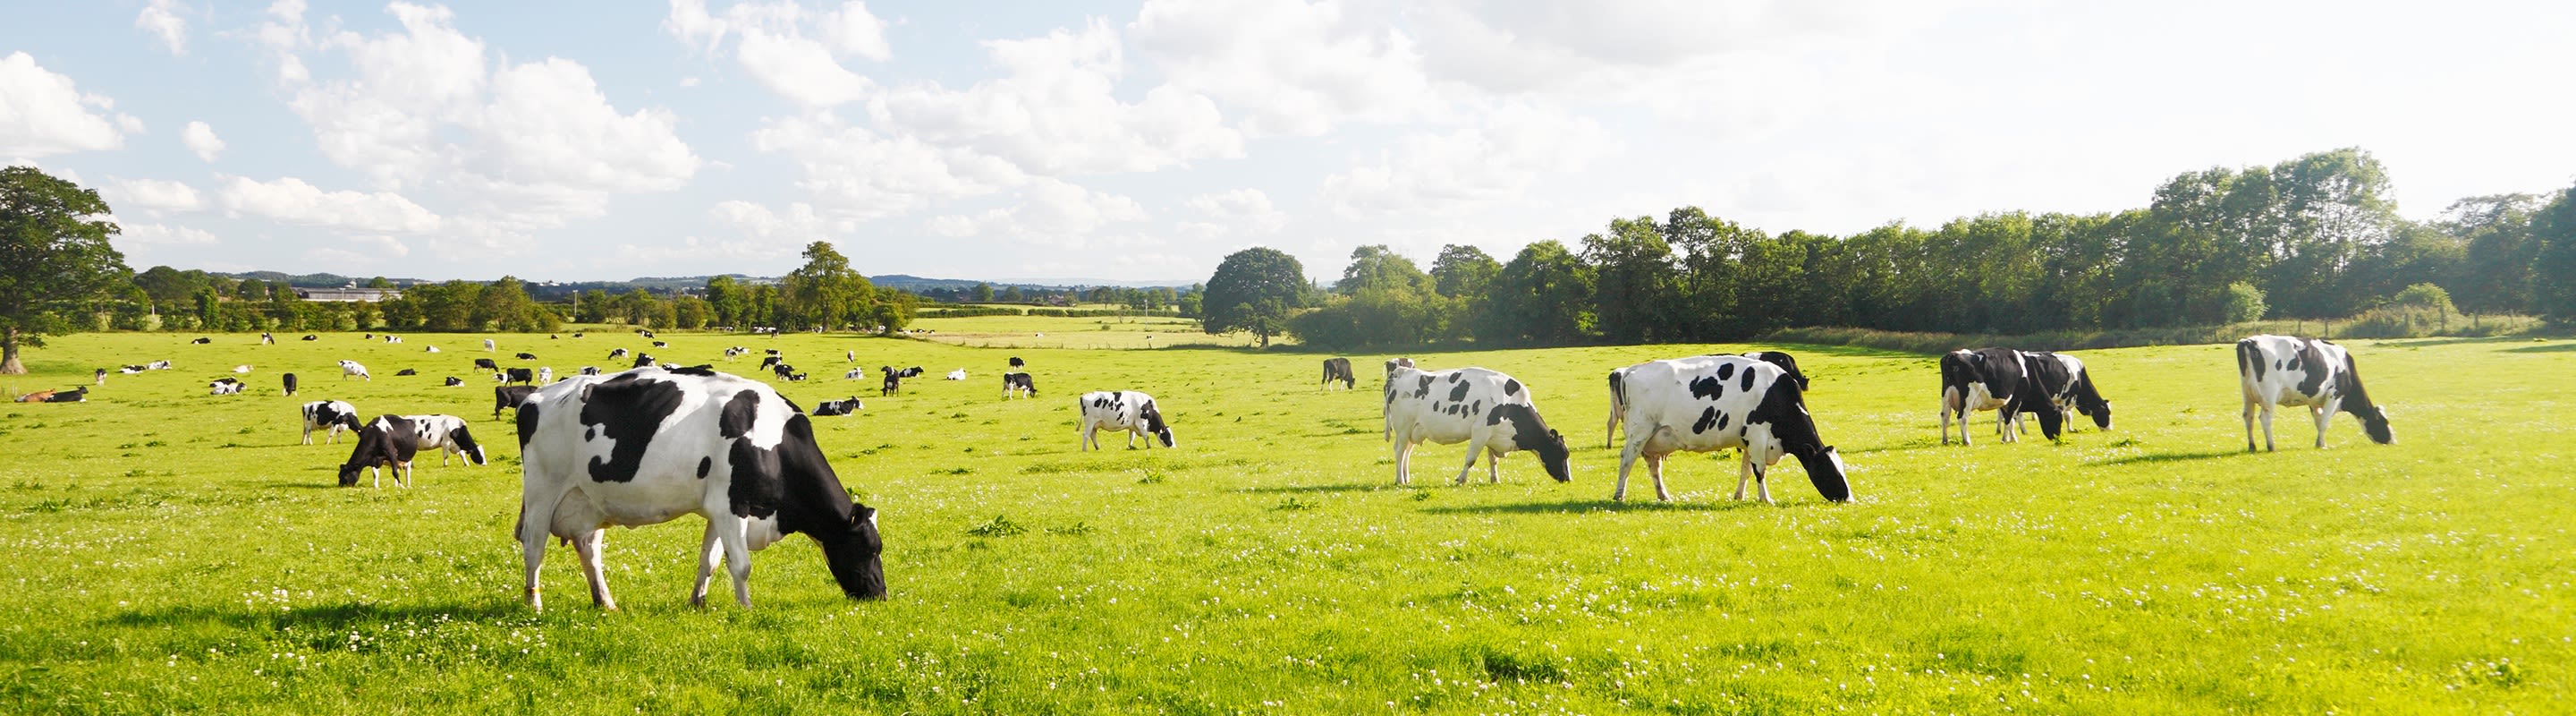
x=1338, y=369
x=1014, y=384
x=522, y=375
x=958, y=374
x=350, y=368
x=643, y=359
x=2283, y=370
x=2069, y=387
x=406, y=371
x=616, y=354
x=388, y=441
x=1490, y=411
x=487, y=365
x=770, y=361
x=311, y=337
x=545, y=375
x=289, y=380
x=647, y=446
x=510, y=396
x=1122, y=410
x=526, y=356
x=267, y=340
x=783, y=370
x=225, y=386
x=453, y=381
x=1711, y=403
x=447, y=433
x=202, y=340
x=100, y=376
x=590, y=370
x=1619, y=406
x=838, y=407
x=1016, y=362
x=489, y=346
x=1993, y=379
x=335, y=415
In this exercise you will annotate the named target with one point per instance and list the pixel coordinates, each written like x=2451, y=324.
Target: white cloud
x=1498, y=160
x=201, y=139
x=293, y=201
x=163, y=235
x=1057, y=111
x=1294, y=68
x=771, y=44
x=871, y=176
x=161, y=18
x=1050, y=212
x=42, y=113
x=1237, y=212
x=152, y=195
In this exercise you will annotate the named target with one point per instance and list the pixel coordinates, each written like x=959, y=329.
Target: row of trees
x=2315, y=237
x=1156, y=298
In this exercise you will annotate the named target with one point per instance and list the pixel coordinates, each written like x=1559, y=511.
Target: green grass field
x=1106, y=333
x=172, y=551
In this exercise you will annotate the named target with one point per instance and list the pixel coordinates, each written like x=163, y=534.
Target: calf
x=225, y=386
x=838, y=407
x=289, y=380
x=332, y=416
x=389, y=441
x=522, y=375
x=486, y=364
x=448, y=434
x=1993, y=379
x=648, y=445
x=1711, y=403
x=510, y=396
x=1014, y=384
x=2283, y=370
x=1124, y=410
x=2068, y=386
x=1490, y=411
x=1338, y=369
x=350, y=368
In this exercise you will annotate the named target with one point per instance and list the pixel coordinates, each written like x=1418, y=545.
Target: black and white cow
x=431, y=349
x=1017, y=363
x=226, y=385
x=267, y=340
x=590, y=370
x=1618, y=399
x=406, y=371
x=838, y=407
x=616, y=354
x=545, y=374
x=909, y=372
x=202, y=340
x=2069, y=386
x=75, y=395
x=526, y=356
x=311, y=337
x=331, y=416
x=643, y=359
x=893, y=382
x=647, y=445
x=855, y=374
x=1337, y=369
x=100, y=377
x=2283, y=370
x=522, y=375
x=158, y=365
x=352, y=368
x=288, y=379
x=1122, y=410
x=388, y=441
x=132, y=369
x=449, y=435
x=656, y=344
x=510, y=396
x=782, y=370
x=1997, y=379
x=1015, y=384
x=771, y=361
x=1491, y=412
x=1711, y=403
x=453, y=381
x=486, y=364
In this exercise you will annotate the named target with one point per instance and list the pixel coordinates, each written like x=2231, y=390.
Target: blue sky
x=1146, y=140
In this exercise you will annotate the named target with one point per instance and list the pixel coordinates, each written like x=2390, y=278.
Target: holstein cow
x=350, y=368
x=331, y=416
x=225, y=386
x=510, y=396
x=643, y=359
x=487, y=365
x=770, y=361
x=1125, y=410
x=1618, y=399
x=311, y=337
x=406, y=371
x=545, y=374
x=838, y=407
x=388, y=441
x=1488, y=410
x=531, y=356
x=1337, y=369
x=616, y=354
x=453, y=381
x=1993, y=379
x=158, y=365
x=447, y=433
x=288, y=379
x=489, y=346
x=893, y=382
x=100, y=378
x=590, y=370
x=958, y=374
x=1015, y=384
x=1710, y=403
x=2282, y=370
x=431, y=349
x=647, y=446
x=522, y=375
x=75, y=395
x=1017, y=363
x=855, y=373
x=2069, y=387
x=202, y=340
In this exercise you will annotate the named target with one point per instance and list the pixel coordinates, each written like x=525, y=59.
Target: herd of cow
x=659, y=441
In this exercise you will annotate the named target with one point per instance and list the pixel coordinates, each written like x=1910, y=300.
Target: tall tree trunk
x=9, y=364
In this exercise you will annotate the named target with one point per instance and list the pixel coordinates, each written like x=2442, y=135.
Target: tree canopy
x=56, y=264
x=1254, y=290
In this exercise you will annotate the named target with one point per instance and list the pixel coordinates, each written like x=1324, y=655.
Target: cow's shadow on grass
x=2162, y=457
x=1573, y=507
x=324, y=616
x=1312, y=489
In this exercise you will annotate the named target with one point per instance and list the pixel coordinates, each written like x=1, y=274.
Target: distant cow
x=1619, y=406
x=855, y=373
x=509, y=396
x=202, y=340
x=431, y=349
x=782, y=370
x=75, y=395
x=526, y=356
x=616, y=354
x=643, y=359
x=1337, y=369
x=132, y=369
x=958, y=374
x=1014, y=384
x=522, y=375
x=330, y=416
x=590, y=370
x=909, y=372
x=267, y=340
x=453, y=381
x=893, y=383
x=545, y=374
x=350, y=368
x=486, y=364
x=1711, y=403
x=449, y=435
x=158, y=365
x=2282, y=370
x=2069, y=386
x=1993, y=379
x=488, y=345
x=837, y=407
x=241, y=368
x=311, y=337
x=1490, y=411
x=388, y=441
x=1122, y=410
x=647, y=446
x=406, y=371
x=289, y=380
x=1017, y=363
x=659, y=344
x=768, y=361
x=100, y=376
x=225, y=386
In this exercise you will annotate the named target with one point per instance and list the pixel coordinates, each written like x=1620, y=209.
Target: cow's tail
x=1618, y=403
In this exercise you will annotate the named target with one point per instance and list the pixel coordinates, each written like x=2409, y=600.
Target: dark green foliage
x=2553, y=274
x=1254, y=291
x=55, y=261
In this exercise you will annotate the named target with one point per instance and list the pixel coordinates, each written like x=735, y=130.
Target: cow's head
x=1154, y=424
x=2100, y=412
x=1530, y=432
x=2374, y=421
x=349, y=474
x=853, y=555
x=1825, y=470
x=464, y=442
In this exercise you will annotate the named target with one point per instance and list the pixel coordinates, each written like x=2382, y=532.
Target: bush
x=2244, y=303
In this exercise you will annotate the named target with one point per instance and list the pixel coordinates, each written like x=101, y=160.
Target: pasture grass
x=173, y=551
x=1102, y=333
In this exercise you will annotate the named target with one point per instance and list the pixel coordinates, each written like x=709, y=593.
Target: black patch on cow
x=696, y=370
x=1423, y=390
x=735, y=419
x=705, y=463
x=1783, y=407
x=527, y=426
x=1707, y=419
x=2319, y=369
x=1529, y=432
x=1458, y=393
x=1511, y=387
x=2249, y=359
x=627, y=410
x=1746, y=381
x=1726, y=371
x=1478, y=408
x=1707, y=388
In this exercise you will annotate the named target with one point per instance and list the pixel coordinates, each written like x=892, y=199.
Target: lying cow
x=227, y=385
x=958, y=374
x=449, y=435
x=838, y=407
x=1125, y=410
x=1997, y=379
x=406, y=371
x=1338, y=369
x=1488, y=410
x=1712, y=403
x=330, y=416
x=510, y=396
x=2282, y=370
x=453, y=381
x=647, y=446
x=389, y=441
x=531, y=356
x=1016, y=384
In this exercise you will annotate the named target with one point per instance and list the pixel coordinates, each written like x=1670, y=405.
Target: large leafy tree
x=1254, y=290
x=1378, y=267
x=1543, y=297
x=1633, y=272
x=728, y=301
x=55, y=260
x=826, y=292
x=2553, y=277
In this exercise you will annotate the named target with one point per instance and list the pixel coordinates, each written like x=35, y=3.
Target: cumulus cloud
x=201, y=140
x=43, y=113
x=771, y=43
x=161, y=18
x=1056, y=111
x=1050, y=212
x=158, y=235
x=870, y=175
x=1496, y=160
x=293, y=201
x=1290, y=67
x=1237, y=212
x=152, y=195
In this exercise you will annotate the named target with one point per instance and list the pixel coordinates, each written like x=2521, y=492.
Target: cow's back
x=1697, y=403
x=1446, y=406
x=642, y=447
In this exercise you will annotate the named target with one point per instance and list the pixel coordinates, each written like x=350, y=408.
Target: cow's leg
x=1493, y=468
x=1946, y=394
x=1403, y=459
x=1655, y=469
x=1744, y=471
x=1131, y=439
x=1760, y=485
x=589, y=545
x=532, y=545
x=308, y=433
x=2268, y=409
x=403, y=476
x=737, y=553
x=1627, y=457
x=379, y=472
x=2324, y=415
x=707, y=551
x=1475, y=448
